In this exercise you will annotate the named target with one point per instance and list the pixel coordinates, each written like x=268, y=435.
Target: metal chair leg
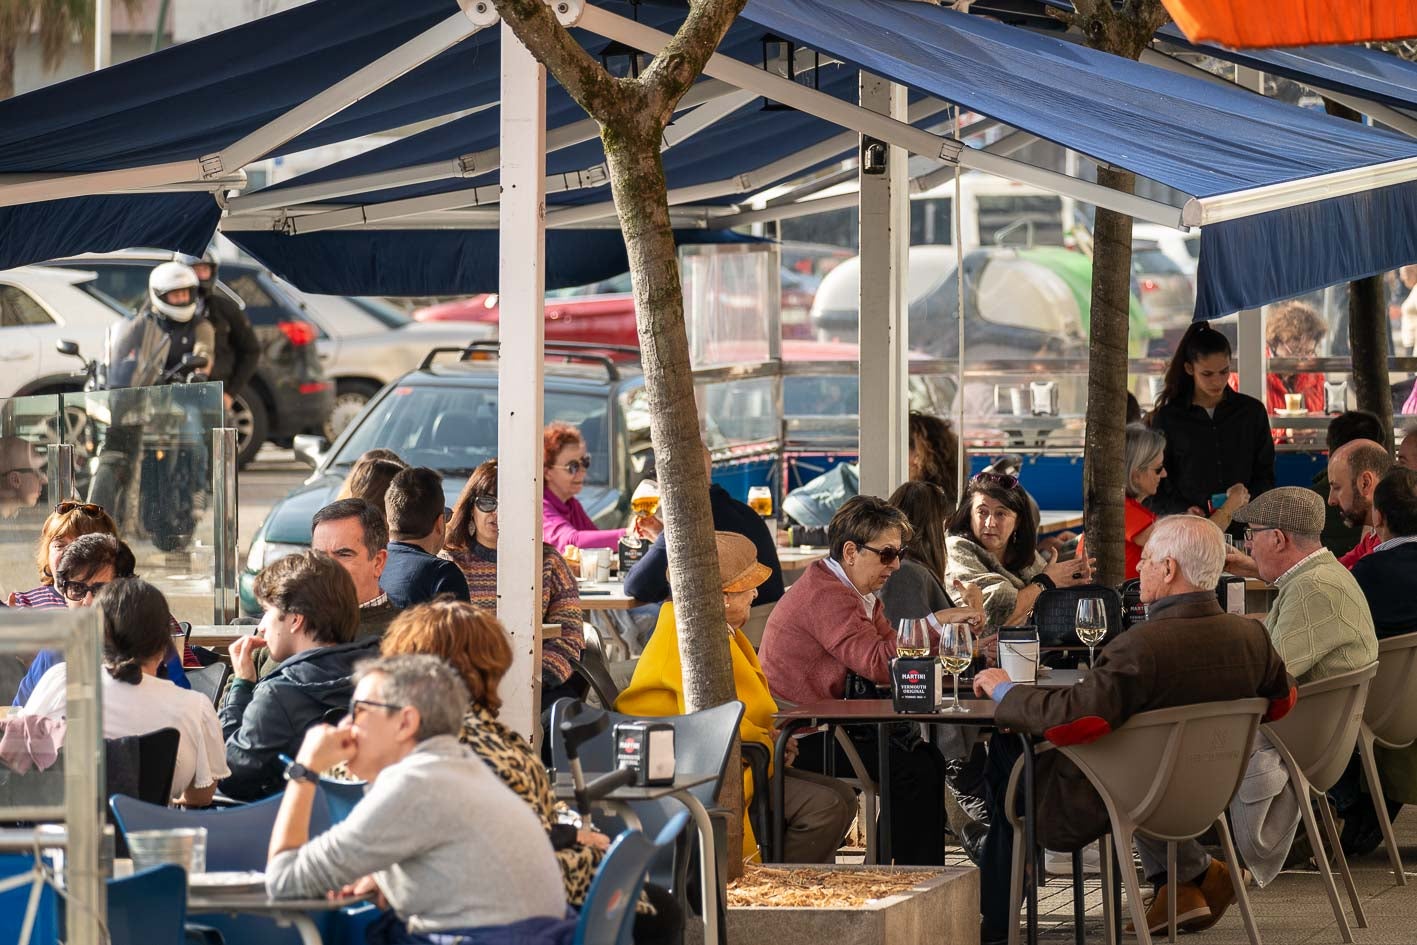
x=1133, y=887
x=1016, y=888
x=1336, y=846
x=1375, y=791
x=1110, y=905
x=1237, y=879
x=1311, y=827
x=1172, y=886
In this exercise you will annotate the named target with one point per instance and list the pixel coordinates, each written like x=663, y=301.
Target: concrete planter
x=942, y=910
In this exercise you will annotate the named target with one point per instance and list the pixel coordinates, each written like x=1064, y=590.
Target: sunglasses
x=574, y=466
x=1002, y=480
x=354, y=705
x=88, y=508
x=23, y=469
x=485, y=503
x=78, y=590
x=886, y=554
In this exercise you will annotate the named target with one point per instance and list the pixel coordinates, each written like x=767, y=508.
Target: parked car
x=1183, y=249
x=1167, y=294
x=39, y=306
x=365, y=343
x=443, y=415
x=289, y=393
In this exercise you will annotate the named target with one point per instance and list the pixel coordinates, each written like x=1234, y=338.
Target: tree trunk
x=1367, y=344
x=1367, y=328
x=1104, y=468
x=640, y=192
x=7, y=64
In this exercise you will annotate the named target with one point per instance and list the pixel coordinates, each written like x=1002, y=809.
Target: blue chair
x=149, y=907
x=13, y=903
x=702, y=742
x=237, y=839
x=341, y=796
x=608, y=914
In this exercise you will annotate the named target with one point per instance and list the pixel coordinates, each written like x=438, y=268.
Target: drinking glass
x=645, y=500
x=1091, y=624
x=912, y=639
x=760, y=500
x=956, y=653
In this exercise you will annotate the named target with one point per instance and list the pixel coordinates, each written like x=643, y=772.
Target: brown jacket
x=1188, y=651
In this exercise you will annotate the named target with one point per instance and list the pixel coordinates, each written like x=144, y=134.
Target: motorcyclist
x=172, y=305
x=237, y=350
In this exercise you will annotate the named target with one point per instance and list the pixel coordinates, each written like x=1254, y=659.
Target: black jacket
x=1206, y=455
x=413, y=576
x=262, y=721
x=1385, y=577
x=648, y=580
x=237, y=349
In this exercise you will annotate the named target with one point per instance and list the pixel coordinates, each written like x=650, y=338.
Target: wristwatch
x=295, y=771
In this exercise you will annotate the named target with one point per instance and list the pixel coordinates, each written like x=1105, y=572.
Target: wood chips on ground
x=819, y=888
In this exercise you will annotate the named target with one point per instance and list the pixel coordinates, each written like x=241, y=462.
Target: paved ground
x=259, y=486
x=1292, y=910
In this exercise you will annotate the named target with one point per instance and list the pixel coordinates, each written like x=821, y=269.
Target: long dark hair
x=136, y=627
x=462, y=526
x=1199, y=341
x=1023, y=543
x=937, y=449
x=928, y=508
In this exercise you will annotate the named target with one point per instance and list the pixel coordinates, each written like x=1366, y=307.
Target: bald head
x=21, y=474
x=1354, y=471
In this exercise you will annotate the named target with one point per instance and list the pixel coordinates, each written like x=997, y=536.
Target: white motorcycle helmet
x=167, y=278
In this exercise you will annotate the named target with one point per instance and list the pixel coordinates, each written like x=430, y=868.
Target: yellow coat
x=657, y=689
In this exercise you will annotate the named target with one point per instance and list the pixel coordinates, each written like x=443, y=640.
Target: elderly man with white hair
x=1187, y=651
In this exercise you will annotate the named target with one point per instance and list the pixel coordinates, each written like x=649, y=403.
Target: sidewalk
x=1292, y=910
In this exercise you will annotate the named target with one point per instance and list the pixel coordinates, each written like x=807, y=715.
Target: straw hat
x=738, y=564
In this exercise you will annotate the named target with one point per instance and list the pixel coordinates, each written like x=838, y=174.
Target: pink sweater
x=566, y=523
x=817, y=632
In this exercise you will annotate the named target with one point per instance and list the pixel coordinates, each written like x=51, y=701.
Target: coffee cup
x=1293, y=402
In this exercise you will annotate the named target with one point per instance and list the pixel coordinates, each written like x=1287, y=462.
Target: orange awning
x=1249, y=24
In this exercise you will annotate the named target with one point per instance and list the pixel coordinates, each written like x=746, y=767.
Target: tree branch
x=598, y=92
x=674, y=70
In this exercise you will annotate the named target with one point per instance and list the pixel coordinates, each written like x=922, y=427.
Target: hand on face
x=325, y=746
x=243, y=656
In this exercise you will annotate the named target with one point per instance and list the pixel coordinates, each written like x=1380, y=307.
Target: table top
x=566, y=789
x=800, y=556
x=218, y=634
x=977, y=711
x=259, y=903
x=604, y=595
x=1056, y=520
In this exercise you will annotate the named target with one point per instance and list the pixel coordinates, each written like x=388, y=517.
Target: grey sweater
x=449, y=844
x=913, y=592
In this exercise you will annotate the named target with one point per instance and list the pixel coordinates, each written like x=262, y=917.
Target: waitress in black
x=1217, y=439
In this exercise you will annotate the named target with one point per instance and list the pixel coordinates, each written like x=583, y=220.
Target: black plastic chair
x=1055, y=614
x=209, y=680
x=592, y=669
x=140, y=766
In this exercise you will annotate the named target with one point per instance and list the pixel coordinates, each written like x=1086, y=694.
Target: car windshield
x=454, y=429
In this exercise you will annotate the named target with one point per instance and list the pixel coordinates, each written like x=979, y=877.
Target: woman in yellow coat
x=817, y=809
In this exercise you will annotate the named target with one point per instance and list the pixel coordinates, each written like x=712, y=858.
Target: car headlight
x=264, y=552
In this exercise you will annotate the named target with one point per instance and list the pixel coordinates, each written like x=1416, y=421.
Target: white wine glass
x=956, y=653
x=912, y=639
x=1091, y=625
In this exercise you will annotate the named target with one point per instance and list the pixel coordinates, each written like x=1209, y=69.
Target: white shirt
x=146, y=707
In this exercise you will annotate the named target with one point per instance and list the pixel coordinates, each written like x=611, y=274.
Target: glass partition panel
x=29, y=432
x=145, y=455
x=732, y=296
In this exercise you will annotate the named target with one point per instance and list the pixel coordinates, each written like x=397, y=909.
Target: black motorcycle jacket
x=236, y=350
x=184, y=338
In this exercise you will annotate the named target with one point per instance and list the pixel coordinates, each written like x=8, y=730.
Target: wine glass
x=912, y=639
x=1091, y=624
x=956, y=653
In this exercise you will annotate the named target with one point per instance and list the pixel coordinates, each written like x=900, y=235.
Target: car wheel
x=350, y=398
x=248, y=415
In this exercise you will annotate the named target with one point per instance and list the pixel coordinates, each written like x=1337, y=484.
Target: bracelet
x=1043, y=581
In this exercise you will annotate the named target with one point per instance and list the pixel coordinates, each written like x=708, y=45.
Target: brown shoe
x=1191, y=909
x=1219, y=892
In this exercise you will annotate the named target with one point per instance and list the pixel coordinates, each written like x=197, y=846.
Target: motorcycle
x=149, y=468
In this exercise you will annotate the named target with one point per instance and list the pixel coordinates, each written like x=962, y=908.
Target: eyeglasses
x=886, y=554
x=28, y=469
x=1002, y=480
x=1250, y=533
x=574, y=466
x=485, y=503
x=78, y=590
x=88, y=508
x=354, y=705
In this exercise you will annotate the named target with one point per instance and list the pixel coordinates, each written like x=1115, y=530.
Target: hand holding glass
x=1091, y=624
x=956, y=653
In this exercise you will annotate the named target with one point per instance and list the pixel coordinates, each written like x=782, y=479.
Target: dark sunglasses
x=78, y=590
x=354, y=705
x=574, y=466
x=485, y=503
x=1002, y=480
x=88, y=508
x=886, y=554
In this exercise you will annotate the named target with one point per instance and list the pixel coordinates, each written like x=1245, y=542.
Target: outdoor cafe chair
x=608, y=913
x=1389, y=721
x=1167, y=774
x=148, y=907
x=1315, y=741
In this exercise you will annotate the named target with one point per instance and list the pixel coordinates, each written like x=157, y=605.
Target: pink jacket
x=566, y=523
x=817, y=632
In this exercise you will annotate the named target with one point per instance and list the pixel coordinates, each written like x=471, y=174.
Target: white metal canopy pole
x=520, y=370
x=885, y=225
x=1251, y=358
x=102, y=34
